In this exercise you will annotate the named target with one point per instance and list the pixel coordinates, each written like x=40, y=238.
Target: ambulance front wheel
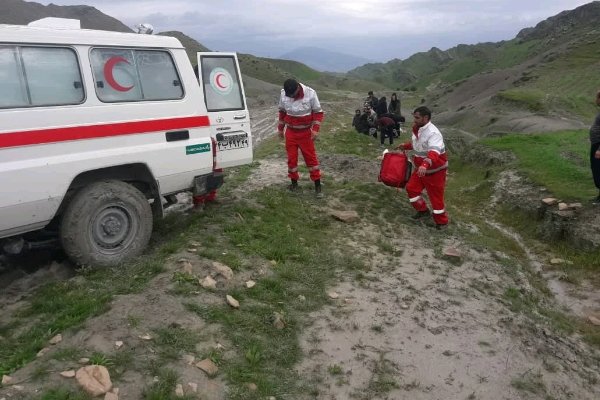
x=105, y=224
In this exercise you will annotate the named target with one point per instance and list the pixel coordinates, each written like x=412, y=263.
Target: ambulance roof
x=37, y=35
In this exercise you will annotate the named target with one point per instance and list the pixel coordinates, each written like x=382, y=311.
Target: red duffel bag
x=395, y=169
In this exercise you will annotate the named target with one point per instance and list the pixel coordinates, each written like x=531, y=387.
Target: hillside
x=192, y=46
x=518, y=85
x=20, y=12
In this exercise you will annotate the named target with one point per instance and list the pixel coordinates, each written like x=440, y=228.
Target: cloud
x=377, y=29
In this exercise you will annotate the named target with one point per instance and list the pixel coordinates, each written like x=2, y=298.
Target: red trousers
x=435, y=184
x=301, y=139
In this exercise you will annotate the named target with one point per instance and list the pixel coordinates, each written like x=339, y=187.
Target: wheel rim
x=113, y=228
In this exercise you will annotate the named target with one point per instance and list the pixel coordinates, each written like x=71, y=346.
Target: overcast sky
x=378, y=30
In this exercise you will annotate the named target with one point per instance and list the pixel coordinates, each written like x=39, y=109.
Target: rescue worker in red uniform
x=431, y=163
x=300, y=117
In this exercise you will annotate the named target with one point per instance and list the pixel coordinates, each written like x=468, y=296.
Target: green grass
x=534, y=100
x=164, y=389
x=174, y=341
x=63, y=394
x=558, y=161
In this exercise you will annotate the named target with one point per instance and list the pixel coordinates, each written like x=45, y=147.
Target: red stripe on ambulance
x=55, y=135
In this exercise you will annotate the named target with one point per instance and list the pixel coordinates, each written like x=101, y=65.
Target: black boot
x=293, y=187
x=318, y=190
x=421, y=214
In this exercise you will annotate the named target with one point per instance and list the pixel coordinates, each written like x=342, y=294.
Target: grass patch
x=173, y=341
x=533, y=100
x=531, y=383
x=63, y=394
x=558, y=161
x=164, y=388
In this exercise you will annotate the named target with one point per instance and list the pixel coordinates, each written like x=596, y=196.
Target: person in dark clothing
x=362, y=124
x=394, y=107
x=382, y=106
x=372, y=100
x=386, y=127
x=356, y=119
x=595, y=150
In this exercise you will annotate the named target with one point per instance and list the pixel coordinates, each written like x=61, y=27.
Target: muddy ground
x=418, y=325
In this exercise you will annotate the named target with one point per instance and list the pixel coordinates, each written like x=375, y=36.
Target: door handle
x=239, y=116
x=177, y=135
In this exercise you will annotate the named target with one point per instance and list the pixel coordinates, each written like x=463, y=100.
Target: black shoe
x=293, y=187
x=596, y=200
x=441, y=227
x=421, y=214
x=318, y=190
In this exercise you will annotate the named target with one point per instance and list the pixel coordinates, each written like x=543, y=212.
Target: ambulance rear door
x=221, y=80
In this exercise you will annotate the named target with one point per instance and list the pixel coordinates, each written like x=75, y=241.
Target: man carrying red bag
x=431, y=163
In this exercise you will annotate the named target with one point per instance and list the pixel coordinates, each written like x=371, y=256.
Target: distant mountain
x=20, y=12
x=324, y=60
x=546, y=73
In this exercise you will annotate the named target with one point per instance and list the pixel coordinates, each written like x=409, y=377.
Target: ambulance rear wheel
x=105, y=224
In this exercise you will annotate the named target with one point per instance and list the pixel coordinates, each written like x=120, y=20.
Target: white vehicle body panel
x=36, y=170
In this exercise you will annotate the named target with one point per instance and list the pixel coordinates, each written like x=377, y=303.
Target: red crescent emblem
x=108, y=73
x=218, y=81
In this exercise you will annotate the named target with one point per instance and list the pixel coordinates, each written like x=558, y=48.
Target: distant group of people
x=377, y=116
x=300, y=118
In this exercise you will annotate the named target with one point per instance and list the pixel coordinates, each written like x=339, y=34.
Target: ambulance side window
x=123, y=75
x=39, y=76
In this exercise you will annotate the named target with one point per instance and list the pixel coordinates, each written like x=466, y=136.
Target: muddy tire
x=106, y=224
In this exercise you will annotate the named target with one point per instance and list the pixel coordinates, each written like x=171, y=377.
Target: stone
x=550, y=201
x=250, y=284
x=208, y=367
x=145, y=337
x=187, y=268
x=179, y=390
x=84, y=360
x=333, y=295
x=404, y=306
x=7, y=380
x=278, y=321
x=208, y=283
x=252, y=387
x=232, y=302
x=192, y=250
x=563, y=206
x=192, y=387
x=222, y=270
x=557, y=261
x=273, y=263
x=189, y=359
x=118, y=344
x=68, y=374
x=301, y=297
x=345, y=216
x=111, y=396
x=42, y=352
x=94, y=379
x=575, y=206
x=452, y=252
x=56, y=339
x=594, y=320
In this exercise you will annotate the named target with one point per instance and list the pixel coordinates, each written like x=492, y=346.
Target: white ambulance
x=98, y=128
